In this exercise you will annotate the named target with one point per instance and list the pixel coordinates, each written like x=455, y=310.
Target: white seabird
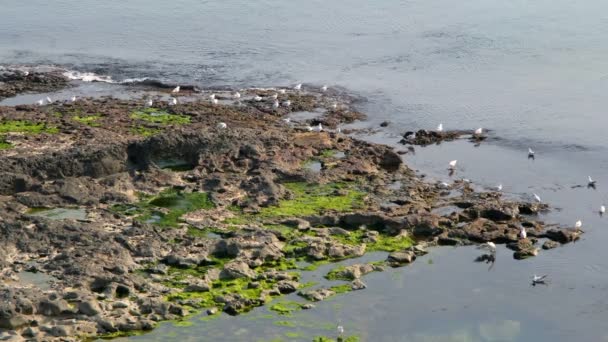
x=286, y=103
x=257, y=98
x=275, y=104
x=298, y=86
x=522, y=233
x=237, y=95
x=578, y=224
x=530, y=153
x=73, y=99
x=324, y=88
x=453, y=164
x=175, y=90
x=479, y=131
x=591, y=182
x=172, y=101
x=149, y=103
x=440, y=128
x=40, y=102
x=318, y=128
x=537, y=198
x=48, y=99
x=602, y=210
x=222, y=125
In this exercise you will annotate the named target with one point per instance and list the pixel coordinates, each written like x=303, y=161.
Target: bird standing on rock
x=40, y=102
x=523, y=234
x=591, y=182
x=440, y=128
x=479, y=131
x=318, y=128
x=222, y=125
x=149, y=103
x=73, y=99
x=298, y=86
x=48, y=99
x=275, y=105
x=286, y=103
x=237, y=95
x=324, y=88
x=215, y=101
x=578, y=225
x=257, y=98
x=537, y=198
x=175, y=90
x=172, y=101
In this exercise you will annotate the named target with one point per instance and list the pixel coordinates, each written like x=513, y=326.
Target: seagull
x=286, y=103
x=282, y=91
x=324, y=88
x=591, y=181
x=275, y=105
x=309, y=128
x=298, y=86
x=212, y=96
x=340, y=330
x=440, y=128
x=215, y=101
x=176, y=90
x=453, y=164
x=539, y=279
x=499, y=187
x=339, y=130
x=491, y=246
x=602, y=210
x=443, y=185
x=275, y=96
x=48, y=99
x=26, y=73
x=522, y=233
x=537, y=198
x=257, y=98
x=479, y=131
x=578, y=224
x=40, y=102
x=530, y=153
x=237, y=95
x=149, y=103
x=318, y=128
x=222, y=125
x=287, y=120
x=73, y=99
x=172, y=101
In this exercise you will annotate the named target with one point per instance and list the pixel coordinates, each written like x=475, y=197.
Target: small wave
x=88, y=77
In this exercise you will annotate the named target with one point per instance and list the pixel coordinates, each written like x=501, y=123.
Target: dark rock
x=406, y=257
x=89, y=308
x=549, y=244
x=357, y=284
x=562, y=235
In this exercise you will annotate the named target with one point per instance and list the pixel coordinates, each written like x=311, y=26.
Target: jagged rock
x=562, y=235
x=55, y=307
x=549, y=244
x=89, y=308
x=317, y=295
x=287, y=286
x=237, y=269
x=405, y=257
x=357, y=284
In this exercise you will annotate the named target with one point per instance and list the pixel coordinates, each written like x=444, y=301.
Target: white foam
x=88, y=77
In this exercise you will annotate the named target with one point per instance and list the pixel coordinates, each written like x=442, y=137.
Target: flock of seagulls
x=523, y=234
x=48, y=100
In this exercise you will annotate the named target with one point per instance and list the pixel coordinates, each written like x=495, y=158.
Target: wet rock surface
x=225, y=233
x=14, y=82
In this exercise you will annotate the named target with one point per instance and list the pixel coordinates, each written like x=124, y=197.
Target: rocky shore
x=134, y=215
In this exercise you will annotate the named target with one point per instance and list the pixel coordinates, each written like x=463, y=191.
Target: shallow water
x=62, y=213
x=534, y=72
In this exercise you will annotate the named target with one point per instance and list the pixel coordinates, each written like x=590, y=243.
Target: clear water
x=534, y=72
x=62, y=213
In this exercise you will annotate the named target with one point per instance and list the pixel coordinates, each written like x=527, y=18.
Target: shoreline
x=182, y=216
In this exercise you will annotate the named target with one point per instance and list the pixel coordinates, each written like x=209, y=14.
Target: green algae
x=4, y=145
x=27, y=127
x=343, y=288
x=91, y=120
x=166, y=209
x=294, y=334
x=314, y=199
x=183, y=324
x=156, y=116
x=285, y=308
x=336, y=274
x=381, y=242
x=285, y=324
x=145, y=131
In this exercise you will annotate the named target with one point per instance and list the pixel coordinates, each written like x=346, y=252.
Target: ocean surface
x=535, y=73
